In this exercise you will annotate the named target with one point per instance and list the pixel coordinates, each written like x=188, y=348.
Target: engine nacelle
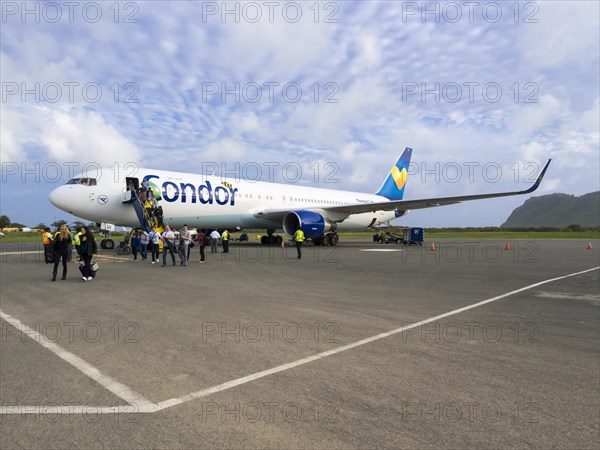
x=398, y=213
x=311, y=223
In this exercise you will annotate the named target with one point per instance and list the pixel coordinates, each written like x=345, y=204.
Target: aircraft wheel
x=333, y=240
x=263, y=240
x=109, y=244
x=278, y=240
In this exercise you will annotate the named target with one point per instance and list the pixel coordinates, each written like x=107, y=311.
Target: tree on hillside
x=77, y=225
x=41, y=226
x=4, y=222
x=574, y=227
x=58, y=223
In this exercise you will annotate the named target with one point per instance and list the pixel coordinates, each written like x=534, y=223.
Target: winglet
x=393, y=186
x=539, y=179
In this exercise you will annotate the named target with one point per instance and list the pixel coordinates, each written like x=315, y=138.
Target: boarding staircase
x=146, y=221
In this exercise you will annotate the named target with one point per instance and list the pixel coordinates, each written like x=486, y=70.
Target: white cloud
x=533, y=117
x=11, y=150
x=348, y=152
x=564, y=34
x=86, y=137
x=225, y=150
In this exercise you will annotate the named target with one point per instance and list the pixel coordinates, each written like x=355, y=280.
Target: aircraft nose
x=58, y=197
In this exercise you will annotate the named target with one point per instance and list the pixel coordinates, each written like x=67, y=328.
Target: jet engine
x=311, y=223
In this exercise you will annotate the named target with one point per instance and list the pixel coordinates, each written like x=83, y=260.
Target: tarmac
x=362, y=345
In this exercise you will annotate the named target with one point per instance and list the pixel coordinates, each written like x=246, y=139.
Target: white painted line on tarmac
x=300, y=362
x=120, y=390
x=381, y=250
x=88, y=410
x=22, y=253
x=146, y=406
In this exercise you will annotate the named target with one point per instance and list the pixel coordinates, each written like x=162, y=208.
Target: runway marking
x=120, y=390
x=300, y=362
x=145, y=406
x=22, y=253
x=15, y=409
x=381, y=250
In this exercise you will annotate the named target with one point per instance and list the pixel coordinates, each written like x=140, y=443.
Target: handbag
x=95, y=267
x=192, y=244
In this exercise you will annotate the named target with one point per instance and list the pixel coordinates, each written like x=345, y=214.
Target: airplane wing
x=403, y=205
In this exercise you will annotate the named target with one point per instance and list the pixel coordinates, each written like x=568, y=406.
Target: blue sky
x=494, y=90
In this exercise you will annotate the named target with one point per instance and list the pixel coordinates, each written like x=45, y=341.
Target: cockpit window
x=84, y=181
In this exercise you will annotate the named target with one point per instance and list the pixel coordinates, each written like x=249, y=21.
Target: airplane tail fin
x=393, y=186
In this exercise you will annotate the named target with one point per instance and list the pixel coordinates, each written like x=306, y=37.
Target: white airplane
x=202, y=201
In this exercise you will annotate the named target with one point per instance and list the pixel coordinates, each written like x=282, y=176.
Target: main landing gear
x=271, y=239
x=107, y=244
x=327, y=239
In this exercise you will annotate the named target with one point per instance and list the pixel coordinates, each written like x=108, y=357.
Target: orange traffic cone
x=589, y=246
x=507, y=246
x=432, y=247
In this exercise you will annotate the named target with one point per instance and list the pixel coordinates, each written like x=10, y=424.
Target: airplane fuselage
x=209, y=201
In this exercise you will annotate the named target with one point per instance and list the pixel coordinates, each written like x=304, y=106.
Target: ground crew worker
x=71, y=247
x=225, y=239
x=299, y=239
x=77, y=239
x=47, y=236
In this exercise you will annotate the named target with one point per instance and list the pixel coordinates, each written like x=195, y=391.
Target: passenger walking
x=214, y=240
x=159, y=216
x=88, y=249
x=149, y=209
x=185, y=238
x=62, y=244
x=299, y=239
x=135, y=244
x=168, y=238
x=201, y=239
x=154, y=238
x=144, y=239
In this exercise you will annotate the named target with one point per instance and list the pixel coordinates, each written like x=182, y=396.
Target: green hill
x=557, y=210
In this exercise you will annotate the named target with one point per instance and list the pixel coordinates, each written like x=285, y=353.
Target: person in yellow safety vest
x=148, y=207
x=77, y=242
x=225, y=241
x=299, y=239
x=48, y=244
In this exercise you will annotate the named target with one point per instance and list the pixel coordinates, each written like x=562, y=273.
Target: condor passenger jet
x=209, y=202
